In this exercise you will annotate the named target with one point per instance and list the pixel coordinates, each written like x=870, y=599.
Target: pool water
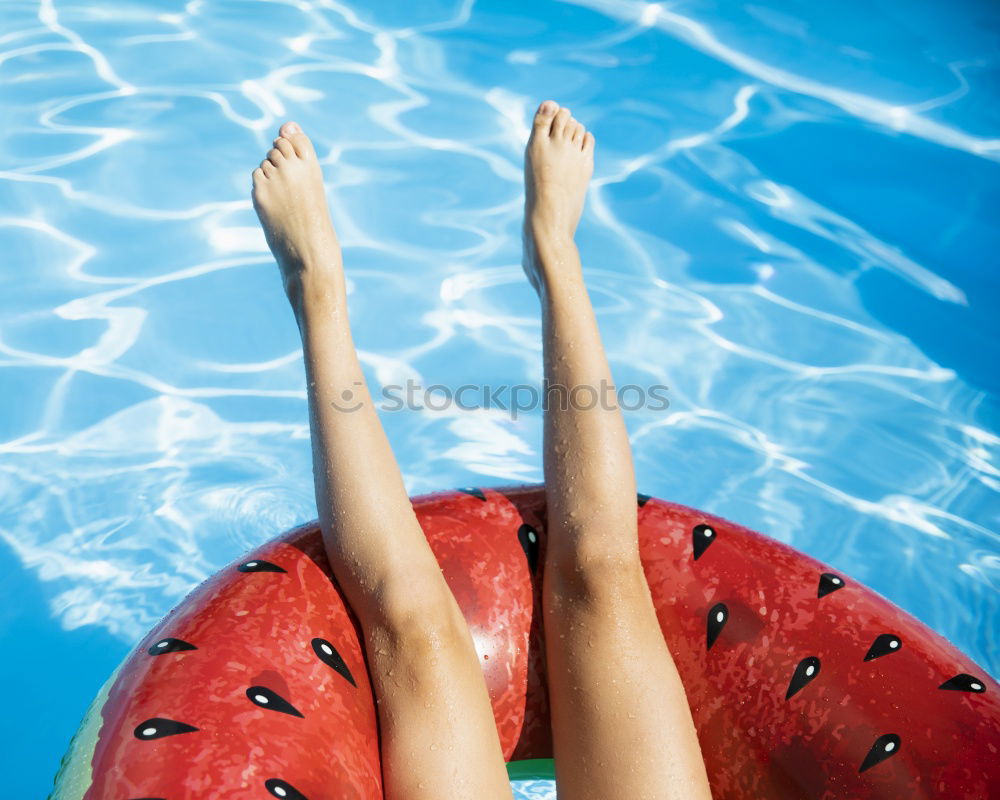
x=793, y=226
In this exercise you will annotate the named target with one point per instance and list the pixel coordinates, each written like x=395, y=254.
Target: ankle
x=312, y=290
x=548, y=232
x=554, y=264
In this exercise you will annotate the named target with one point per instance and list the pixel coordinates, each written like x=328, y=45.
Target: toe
x=576, y=131
x=275, y=156
x=560, y=122
x=303, y=146
x=268, y=168
x=588, y=142
x=543, y=117
x=285, y=146
x=293, y=133
x=258, y=175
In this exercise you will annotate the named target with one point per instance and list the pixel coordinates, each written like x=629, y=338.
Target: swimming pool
x=790, y=227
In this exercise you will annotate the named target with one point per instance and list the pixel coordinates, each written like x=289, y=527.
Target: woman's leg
x=621, y=722
x=439, y=737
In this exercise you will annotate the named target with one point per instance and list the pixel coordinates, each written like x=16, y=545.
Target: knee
x=418, y=619
x=595, y=575
x=416, y=646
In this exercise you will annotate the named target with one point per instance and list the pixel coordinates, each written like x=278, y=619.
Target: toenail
x=293, y=127
x=548, y=107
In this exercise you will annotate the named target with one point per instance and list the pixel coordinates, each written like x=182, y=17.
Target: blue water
x=793, y=225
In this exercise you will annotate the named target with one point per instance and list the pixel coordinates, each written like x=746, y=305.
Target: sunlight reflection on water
x=787, y=227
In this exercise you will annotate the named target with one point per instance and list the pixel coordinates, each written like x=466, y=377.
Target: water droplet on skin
x=434, y=747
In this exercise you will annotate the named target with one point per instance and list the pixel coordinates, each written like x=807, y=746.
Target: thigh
x=438, y=734
x=620, y=719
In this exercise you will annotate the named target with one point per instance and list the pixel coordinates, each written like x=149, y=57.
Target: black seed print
x=963, y=682
x=718, y=616
x=283, y=789
x=328, y=654
x=158, y=727
x=828, y=582
x=259, y=566
x=701, y=537
x=473, y=491
x=528, y=537
x=885, y=747
x=643, y=499
x=169, y=645
x=272, y=701
x=884, y=644
x=805, y=671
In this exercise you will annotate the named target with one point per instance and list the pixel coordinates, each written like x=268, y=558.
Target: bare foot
x=289, y=200
x=558, y=163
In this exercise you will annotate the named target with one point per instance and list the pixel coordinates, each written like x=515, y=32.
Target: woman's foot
x=289, y=200
x=558, y=164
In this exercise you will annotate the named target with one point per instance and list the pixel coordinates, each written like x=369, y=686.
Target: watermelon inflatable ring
x=803, y=683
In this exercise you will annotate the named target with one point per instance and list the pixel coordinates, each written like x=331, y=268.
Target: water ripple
x=787, y=226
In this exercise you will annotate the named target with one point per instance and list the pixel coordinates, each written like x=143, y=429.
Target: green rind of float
x=532, y=769
x=74, y=776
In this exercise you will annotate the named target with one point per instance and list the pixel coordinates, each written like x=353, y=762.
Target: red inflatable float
x=803, y=684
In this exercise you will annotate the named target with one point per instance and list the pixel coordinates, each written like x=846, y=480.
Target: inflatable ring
x=803, y=683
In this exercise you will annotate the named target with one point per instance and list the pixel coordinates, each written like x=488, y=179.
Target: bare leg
x=439, y=737
x=621, y=722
